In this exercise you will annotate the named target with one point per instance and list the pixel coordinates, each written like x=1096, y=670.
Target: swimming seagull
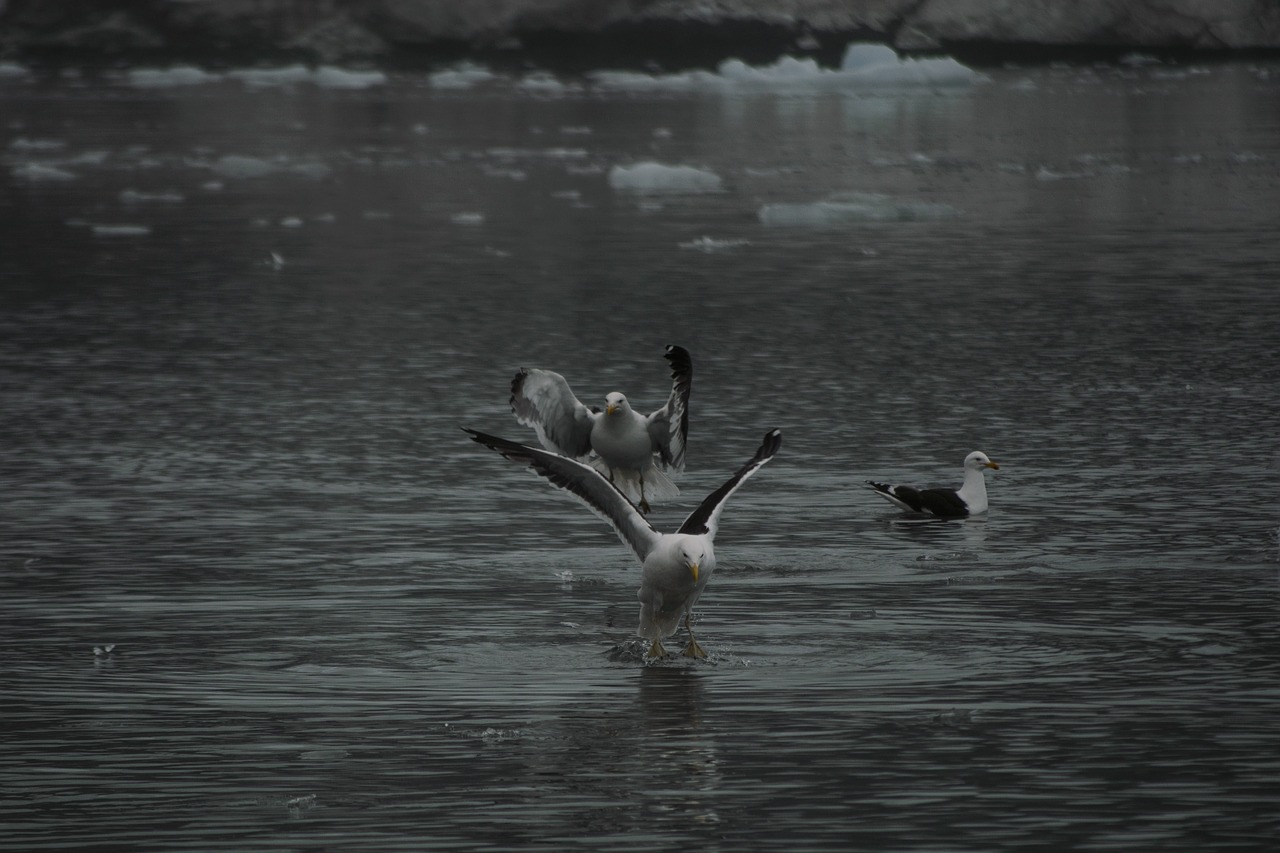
x=623, y=441
x=969, y=499
x=676, y=566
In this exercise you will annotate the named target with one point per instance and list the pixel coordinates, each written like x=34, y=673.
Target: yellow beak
x=610, y=409
x=992, y=464
x=693, y=570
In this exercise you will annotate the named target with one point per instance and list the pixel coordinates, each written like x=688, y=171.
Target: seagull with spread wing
x=676, y=566
x=620, y=441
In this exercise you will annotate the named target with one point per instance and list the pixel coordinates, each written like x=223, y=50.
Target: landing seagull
x=969, y=499
x=623, y=441
x=676, y=566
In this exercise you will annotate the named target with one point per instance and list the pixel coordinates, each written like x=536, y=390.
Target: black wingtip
x=681, y=361
x=770, y=445
x=517, y=384
x=501, y=445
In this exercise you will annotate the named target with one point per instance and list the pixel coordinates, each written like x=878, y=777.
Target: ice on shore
x=864, y=66
x=843, y=208
x=324, y=76
x=163, y=78
x=653, y=178
x=461, y=76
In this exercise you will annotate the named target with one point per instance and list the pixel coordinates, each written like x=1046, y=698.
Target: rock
x=626, y=31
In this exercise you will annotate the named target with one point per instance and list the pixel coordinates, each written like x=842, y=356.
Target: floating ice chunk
x=461, y=76
x=468, y=218
x=137, y=197
x=331, y=77
x=710, y=245
x=241, y=166
x=24, y=144
x=853, y=207
x=163, y=78
x=120, y=230
x=37, y=172
x=652, y=178
x=238, y=166
x=12, y=71
x=291, y=222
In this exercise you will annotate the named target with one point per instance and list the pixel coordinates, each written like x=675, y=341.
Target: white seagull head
x=693, y=555
x=977, y=461
x=616, y=402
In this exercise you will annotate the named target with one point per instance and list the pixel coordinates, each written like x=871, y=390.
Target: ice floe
x=842, y=208
x=653, y=178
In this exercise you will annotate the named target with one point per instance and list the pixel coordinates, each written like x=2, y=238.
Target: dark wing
x=542, y=399
x=588, y=484
x=944, y=503
x=669, y=426
x=706, y=518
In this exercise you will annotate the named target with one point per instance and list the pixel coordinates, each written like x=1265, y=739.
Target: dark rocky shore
x=664, y=34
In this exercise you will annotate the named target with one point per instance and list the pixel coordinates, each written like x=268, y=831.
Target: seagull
x=676, y=566
x=623, y=441
x=969, y=499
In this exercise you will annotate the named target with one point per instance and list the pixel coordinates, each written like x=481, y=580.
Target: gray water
x=242, y=327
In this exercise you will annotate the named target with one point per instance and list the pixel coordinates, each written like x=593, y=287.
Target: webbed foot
x=694, y=650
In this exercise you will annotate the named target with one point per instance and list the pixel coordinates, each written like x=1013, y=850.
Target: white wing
x=542, y=399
